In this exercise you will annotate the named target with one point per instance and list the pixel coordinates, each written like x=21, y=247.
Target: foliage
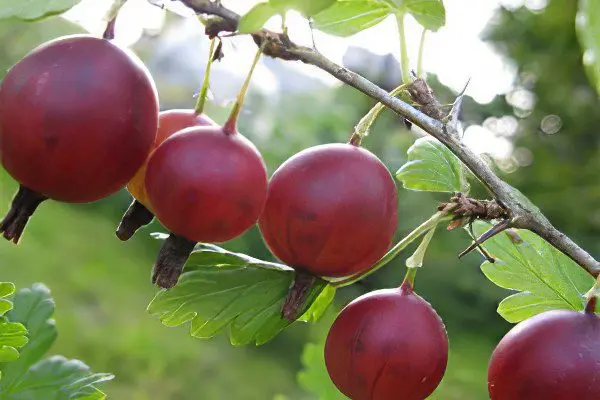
x=588, y=27
x=221, y=289
x=545, y=278
x=433, y=168
x=30, y=377
x=347, y=17
x=32, y=10
x=13, y=335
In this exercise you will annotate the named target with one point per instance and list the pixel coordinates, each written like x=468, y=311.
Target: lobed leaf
x=32, y=10
x=545, y=278
x=12, y=334
x=431, y=14
x=255, y=19
x=347, y=17
x=54, y=378
x=34, y=308
x=432, y=167
x=221, y=289
x=57, y=378
x=306, y=7
x=588, y=29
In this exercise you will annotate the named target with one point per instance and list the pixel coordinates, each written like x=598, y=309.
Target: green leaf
x=33, y=308
x=545, y=278
x=347, y=17
x=254, y=19
x=314, y=377
x=431, y=167
x=220, y=289
x=5, y=306
x=13, y=335
x=320, y=305
x=8, y=353
x=57, y=378
x=588, y=29
x=431, y=14
x=305, y=7
x=34, y=9
x=6, y=289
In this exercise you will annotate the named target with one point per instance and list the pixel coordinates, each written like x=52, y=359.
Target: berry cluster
x=79, y=120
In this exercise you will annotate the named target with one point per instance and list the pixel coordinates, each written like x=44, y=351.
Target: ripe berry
x=331, y=209
x=554, y=355
x=387, y=345
x=169, y=122
x=139, y=212
x=78, y=116
x=207, y=185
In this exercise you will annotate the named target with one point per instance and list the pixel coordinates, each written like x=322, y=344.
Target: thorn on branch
x=490, y=233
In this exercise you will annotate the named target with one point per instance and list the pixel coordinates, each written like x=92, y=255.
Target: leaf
x=431, y=14
x=33, y=308
x=9, y=353
x=545, y=278
x=6, y=289
x=13, y=335
x=221, y=289
x=432, y=167
x=57, y=378
x=34, y=9
x=306, y=7
x=314, y=377
x=347, y=17
x=320, y=305
x=588, y=29
x=254, y=19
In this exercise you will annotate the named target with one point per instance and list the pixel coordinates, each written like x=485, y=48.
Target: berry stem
x=136, y=216
x=111, y=17
x=362, y=128
x=404, y=62
x=171, y=260
x=23, y=205
x=435, y=219
x=416, y=260
x=230, y=126
x=421, y=50
x=199, y=109
x=408, y=283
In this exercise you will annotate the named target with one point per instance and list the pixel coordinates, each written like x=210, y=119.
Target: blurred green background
x=102, y=286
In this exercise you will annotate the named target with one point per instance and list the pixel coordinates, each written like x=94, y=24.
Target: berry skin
x=78, y=117
x=207, y=185
x=331, y=210
x=169, y=122
x=389, y=344
x=554, y=355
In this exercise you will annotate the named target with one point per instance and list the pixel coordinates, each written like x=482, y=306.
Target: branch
x=523, y=213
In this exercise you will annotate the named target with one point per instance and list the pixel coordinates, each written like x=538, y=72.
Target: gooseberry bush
x=328, y=213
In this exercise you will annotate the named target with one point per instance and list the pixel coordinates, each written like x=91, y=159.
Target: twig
x=523, y=213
